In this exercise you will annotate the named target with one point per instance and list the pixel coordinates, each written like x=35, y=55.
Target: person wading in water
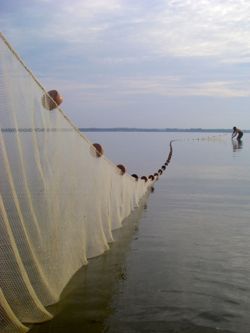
x=237, y=131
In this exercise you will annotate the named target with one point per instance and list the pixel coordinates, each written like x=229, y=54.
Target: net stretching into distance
x=59, y=199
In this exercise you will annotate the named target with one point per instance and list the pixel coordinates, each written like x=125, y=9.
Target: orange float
x=144, y=178
x=99, y=149
x=135, y=176
x=51, y=100
x=122, y=168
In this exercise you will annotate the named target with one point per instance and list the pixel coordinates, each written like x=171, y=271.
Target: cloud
x=177, y=28
x=123, y=87
x=79, y=21
x=177, y=86
x=109, y=49
x=201, y=28
x=221, y=89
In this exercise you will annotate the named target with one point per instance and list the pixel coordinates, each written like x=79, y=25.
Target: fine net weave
x=59, y=202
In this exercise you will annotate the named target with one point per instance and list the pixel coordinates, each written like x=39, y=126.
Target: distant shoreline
x=128, y=129
x=123, y=129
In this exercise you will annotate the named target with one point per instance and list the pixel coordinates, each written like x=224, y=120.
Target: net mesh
x=59, y=202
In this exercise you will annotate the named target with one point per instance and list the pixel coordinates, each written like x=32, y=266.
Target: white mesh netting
x=59, y=203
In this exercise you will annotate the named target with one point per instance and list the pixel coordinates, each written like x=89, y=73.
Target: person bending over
x=238, y=132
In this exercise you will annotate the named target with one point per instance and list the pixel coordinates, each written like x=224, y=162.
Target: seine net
x=59, y=202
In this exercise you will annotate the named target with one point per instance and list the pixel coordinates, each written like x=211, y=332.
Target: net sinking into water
x=59, y=202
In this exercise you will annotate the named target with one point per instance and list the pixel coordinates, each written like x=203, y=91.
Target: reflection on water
x=237, y=145
x=86, y=301
x=186, y=267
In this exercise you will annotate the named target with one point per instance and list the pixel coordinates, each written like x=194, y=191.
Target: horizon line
x=155, y=129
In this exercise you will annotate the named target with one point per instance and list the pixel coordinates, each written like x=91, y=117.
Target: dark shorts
x=240, y=135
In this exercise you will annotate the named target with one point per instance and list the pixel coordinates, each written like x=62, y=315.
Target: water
x=181, y=262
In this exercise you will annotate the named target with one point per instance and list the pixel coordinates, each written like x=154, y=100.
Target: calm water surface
x=181, y=263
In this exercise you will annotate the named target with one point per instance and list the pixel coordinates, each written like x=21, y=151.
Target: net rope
x=59, y=202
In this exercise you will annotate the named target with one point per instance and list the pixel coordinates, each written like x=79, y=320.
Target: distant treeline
x=122, y=129
x=127, y=129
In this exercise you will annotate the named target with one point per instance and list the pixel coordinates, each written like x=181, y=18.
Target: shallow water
x=181, y=262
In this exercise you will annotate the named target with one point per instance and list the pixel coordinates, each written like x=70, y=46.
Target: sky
x=138, y=63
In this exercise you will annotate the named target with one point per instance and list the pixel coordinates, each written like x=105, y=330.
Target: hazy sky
x=138, y=63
